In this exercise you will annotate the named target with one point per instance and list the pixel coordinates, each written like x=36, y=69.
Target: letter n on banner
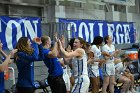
x=11, y=29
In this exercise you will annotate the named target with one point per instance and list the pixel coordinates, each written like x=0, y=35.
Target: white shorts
x=67, y=81
x=108, y=69
x=69, y=71
x=81, y=84
x=93, y=71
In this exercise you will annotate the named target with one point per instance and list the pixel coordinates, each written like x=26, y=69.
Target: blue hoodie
x=25, y=66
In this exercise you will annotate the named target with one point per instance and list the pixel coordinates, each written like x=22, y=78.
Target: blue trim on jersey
x=81, y=84
x=82, y=67
x=75, y=86
x=78, y=86
x=106, y=69
x=93, y=73
x=78, y=67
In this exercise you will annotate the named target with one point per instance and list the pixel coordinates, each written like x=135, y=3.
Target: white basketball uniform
x=108, y=66
x=80, y=74
x=94, y=67
x=66, y=77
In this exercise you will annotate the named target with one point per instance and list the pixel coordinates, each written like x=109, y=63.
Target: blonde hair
x=44, y=39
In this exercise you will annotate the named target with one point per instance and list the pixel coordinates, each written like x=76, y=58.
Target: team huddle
x=73, y=68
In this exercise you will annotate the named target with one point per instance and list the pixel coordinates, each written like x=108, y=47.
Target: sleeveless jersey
x=79, y=66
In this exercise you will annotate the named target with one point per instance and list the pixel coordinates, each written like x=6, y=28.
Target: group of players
x=88, y=62
x=103, y=63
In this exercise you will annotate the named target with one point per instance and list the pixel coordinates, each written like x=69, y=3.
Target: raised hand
x=59, y=44
x=55, y=36
x=13, y=52
x=62, y=39
x=37, y=40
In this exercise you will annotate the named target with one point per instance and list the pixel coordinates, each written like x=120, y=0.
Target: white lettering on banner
x=69, y=27
x=122, y=36
x=83, y=25
x=18, y=30
x=35, y=24
x=29, y=29
x=120, y=32
x=91, y=27
x=8, y=32
x=118, y=28
x=119, y=36
x=111, y=30
x=126, y=33
x=100, y=29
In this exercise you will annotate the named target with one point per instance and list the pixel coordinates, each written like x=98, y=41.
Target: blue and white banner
x=11, y=29
x=121, y=32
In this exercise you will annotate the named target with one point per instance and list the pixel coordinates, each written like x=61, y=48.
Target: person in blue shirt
x=55, y=79
x=4, y=61
x=24, y=60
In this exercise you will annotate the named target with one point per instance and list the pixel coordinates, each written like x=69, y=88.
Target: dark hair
x=71, y=42
x=97, y=40
x=135, y=46
x=88, y=44
x=23, y=46
x=106, y=38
